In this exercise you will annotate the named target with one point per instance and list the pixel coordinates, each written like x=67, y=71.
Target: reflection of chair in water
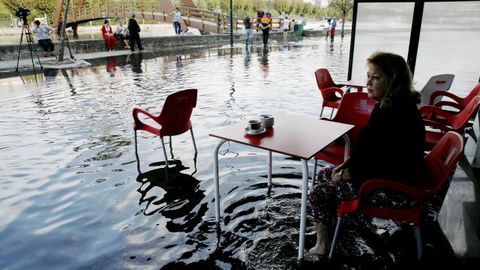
x=174, y=119
x=440, y=82
x=440, y=164
x=177, y=197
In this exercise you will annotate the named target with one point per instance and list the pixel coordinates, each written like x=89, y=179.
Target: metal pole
x=231, y=23
x=62, y=32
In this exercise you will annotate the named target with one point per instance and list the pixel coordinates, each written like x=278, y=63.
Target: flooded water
x=73, y=198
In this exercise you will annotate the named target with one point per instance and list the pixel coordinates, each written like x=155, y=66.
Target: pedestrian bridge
x=206, y=21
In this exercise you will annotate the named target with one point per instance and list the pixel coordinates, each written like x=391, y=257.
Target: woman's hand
x=336, y=176
x=340, y=175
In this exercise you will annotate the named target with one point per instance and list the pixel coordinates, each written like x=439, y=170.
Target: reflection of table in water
x=295, y=136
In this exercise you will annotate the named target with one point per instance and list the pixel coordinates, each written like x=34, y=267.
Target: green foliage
x=289, y=7
x=202, y=4
x=341, y=8
x=38, y=8
x=281, y=6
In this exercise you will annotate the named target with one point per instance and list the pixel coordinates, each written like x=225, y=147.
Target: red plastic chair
x=457, y=122
x=436, y=83
x=440, y=164
x=331, y=92
x=455, y=101
x=355, y=109
x=174, y=119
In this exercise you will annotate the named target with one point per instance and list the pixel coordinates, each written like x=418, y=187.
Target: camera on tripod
x=22, y=13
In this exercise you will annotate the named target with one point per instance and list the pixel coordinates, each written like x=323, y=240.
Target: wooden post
x=58, y=14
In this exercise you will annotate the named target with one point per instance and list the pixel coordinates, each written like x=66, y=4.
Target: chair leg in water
x=418, y=237
x=164, y=153
x=335, y=236
x=193, y=139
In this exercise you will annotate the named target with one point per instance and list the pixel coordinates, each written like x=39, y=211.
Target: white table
x=296, y=136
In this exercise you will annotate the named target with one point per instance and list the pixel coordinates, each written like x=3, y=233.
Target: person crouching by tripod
x=43, y=36
x=107, y=34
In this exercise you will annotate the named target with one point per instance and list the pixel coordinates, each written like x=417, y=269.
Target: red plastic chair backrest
x=355, y=109
x=460, y=121
x=474, y=93
x=324, y=80
x=441, y=161
x=176, y=112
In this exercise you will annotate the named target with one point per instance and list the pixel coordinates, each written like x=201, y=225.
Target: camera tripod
x=28, y=37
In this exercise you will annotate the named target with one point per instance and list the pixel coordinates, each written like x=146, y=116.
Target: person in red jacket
x=107, y=34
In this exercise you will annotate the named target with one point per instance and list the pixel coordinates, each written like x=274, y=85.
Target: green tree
x=281, y=6
x=38, y=8
x=343, y=7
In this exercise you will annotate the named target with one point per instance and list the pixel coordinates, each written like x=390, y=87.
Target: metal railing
x=192, y=16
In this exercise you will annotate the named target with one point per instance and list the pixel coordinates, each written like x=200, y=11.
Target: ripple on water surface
x=73, y=197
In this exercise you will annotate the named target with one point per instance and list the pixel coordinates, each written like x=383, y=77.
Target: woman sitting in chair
x=107, y=34
x=390, y=146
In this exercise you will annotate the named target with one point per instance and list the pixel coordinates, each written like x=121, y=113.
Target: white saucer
x=255, y=131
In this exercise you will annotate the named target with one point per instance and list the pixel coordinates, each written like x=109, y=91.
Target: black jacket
x=133, y=27
x=391, y=145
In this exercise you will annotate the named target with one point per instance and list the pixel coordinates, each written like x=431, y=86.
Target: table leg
x=269, y=168
x=217, y=184
x=303, y=216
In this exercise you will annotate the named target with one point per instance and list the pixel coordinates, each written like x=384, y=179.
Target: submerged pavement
x=49, y=62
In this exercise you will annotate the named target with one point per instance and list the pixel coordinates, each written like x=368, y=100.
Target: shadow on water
x=181, y=194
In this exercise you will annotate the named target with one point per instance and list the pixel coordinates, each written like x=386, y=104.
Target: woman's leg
x=124, y=40
x=265, y=36
x=324, y=200
x=113, y=42
x=107, y=42
x=42, y=43
x=322, y=242
x=177, y=27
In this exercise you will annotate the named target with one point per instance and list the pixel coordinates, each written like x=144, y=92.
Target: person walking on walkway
x=44, y=40
x=177, y=20
x=332, y=27
x=107, y=34
x=134, y=31
x=248, y=29
x=265, y=26
x=285, y=27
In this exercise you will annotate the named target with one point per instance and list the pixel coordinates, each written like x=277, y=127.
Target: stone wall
x=10, y=52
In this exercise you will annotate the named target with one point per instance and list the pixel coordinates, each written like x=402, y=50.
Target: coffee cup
x=254, y=124
x=267, y=120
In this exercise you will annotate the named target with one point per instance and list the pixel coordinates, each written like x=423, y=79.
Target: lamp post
x=231, y=23
x=62, y=32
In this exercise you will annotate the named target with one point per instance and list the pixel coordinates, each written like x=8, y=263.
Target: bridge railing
x=222, y=19
x=114, y=9
x=193, y=16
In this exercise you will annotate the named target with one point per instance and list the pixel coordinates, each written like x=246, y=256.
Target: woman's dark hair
x=106, y=21
x=398, y=75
